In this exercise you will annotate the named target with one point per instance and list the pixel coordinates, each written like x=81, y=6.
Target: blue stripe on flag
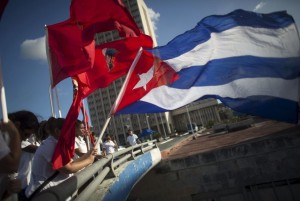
x=222, y=71
x=256, y=105
x=217, y=24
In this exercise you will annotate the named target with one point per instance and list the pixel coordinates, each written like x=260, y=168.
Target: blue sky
x=22, y=47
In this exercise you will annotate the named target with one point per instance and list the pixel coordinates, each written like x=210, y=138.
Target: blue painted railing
x=110, y=178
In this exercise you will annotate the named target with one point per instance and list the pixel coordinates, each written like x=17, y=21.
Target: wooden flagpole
x=3, y=98
x=121, y=94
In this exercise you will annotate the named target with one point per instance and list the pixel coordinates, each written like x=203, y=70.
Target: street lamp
x=148, y=125
x=163, y=126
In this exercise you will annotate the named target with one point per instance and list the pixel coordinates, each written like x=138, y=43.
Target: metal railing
x=82, y=184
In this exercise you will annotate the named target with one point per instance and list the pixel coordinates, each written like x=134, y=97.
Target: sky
x=25, y=68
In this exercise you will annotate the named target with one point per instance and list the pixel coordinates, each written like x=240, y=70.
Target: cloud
x=34, y=49
x=154, y=17
x=260, y=6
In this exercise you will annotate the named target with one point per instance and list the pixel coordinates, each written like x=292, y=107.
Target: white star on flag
x=144, y=79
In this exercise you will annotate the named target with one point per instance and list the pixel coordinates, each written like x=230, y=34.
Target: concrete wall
x=264, y=169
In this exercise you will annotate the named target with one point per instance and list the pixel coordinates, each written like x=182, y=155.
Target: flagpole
x=57, y=101
x=3, y=98
x=51, y=100
x=121, y=93
x=85, y=125
x=50, y=72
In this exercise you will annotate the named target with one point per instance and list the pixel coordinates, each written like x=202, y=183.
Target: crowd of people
x=27, y=147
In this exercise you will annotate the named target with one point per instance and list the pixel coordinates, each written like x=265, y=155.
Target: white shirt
x=24, y=171
x=81, y=145
x=42, y=167
x=109, y=147
x=131, y=139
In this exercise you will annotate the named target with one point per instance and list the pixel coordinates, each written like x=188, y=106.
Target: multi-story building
x=200, y=112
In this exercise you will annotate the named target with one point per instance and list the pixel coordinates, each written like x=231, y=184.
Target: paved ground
x=187, y=146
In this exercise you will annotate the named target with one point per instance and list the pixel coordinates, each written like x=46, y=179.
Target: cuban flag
x=249, y=61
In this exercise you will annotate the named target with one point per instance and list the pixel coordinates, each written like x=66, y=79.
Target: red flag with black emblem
x=112, y=60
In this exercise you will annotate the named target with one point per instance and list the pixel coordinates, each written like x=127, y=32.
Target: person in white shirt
x=29, y=147
x=42, y=161
x=132, y=139
x=109, y=146
x=80, y=144
x=10, y=152
x=26, y=123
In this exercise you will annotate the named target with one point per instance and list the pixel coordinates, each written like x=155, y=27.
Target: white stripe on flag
x=242, y=41
x=172, y=98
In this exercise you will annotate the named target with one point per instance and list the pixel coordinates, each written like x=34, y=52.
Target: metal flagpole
x=50, y=72
x=57, y=101
x=121, y=93
x=51, y=101
x=3, y=98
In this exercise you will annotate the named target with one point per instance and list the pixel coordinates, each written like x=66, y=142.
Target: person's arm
x=30, y=148
x=137, y=139
x=78, y=152
x=116, y=145
x=78, y=164
x=10, y=162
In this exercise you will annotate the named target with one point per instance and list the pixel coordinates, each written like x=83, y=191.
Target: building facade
x=202, y=113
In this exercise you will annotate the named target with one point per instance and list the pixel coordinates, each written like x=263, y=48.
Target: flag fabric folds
x=67, y=54
x=71, y=45
x=102, y=15
x=64, y=150
x=249, y=61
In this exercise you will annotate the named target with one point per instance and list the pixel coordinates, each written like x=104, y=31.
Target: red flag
x=112, y=60
x=150, y=72
x=71, y=43
x=64, y=150
x=3, y=4
x=68, y=55
x=101, y=14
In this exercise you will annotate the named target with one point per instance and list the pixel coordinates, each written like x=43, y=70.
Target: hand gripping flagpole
x=3, y=98
x=121, y=93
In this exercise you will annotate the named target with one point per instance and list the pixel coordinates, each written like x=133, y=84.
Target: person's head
x=129, y=132
x=26, y=122
x=108, y=138
x=54, y=125
x=80, y=128
x=43, y=131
